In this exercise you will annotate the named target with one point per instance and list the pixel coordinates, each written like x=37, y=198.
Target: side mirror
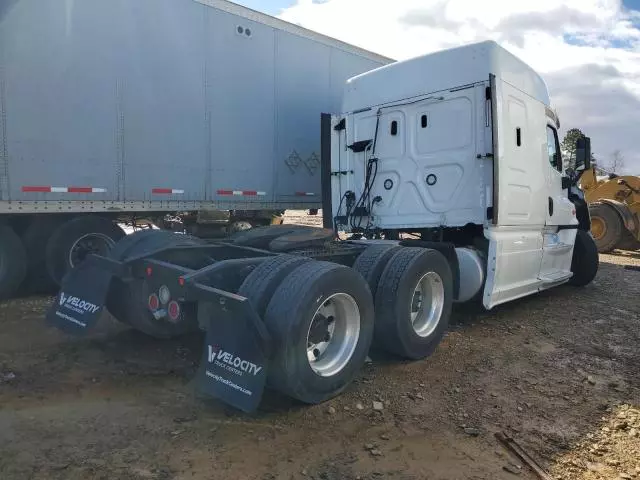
x=583, y=153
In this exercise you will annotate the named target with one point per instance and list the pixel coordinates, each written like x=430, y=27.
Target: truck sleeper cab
x=446, y=173
x=459, y=145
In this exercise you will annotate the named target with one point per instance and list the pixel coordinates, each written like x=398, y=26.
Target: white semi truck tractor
x=442, y=182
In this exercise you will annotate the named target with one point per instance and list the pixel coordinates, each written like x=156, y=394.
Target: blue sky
x=272, y=7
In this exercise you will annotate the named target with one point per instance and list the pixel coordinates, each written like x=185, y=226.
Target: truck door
x=519, y=201
x=560, y=225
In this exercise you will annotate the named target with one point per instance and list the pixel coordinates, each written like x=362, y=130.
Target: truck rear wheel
x=13, y=262
x=413, y=302
x=371, y=263
x=606, y=226
x=72, y=241
x=585, y=260
x=262, y=282
x=321, y=321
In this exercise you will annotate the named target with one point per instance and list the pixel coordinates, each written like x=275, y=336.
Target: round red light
x=149, y=271
x=173, y=310
x=154, y=302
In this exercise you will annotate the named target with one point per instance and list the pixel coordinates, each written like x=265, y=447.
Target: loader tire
x=413, y=302
x=262, y=282
x=321, y=321
x=606, y=226
x=585, y=260
x=628, y=241
x=127, y=301
x=371, y=263
x=74, y=239
x=13, y=262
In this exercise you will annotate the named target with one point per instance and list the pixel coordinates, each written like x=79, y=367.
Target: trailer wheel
x=372, y=261
x=35, y=239
x=72, y=241
x=262, y=282
x=606, y=226
x=413, y=302
x=13, y=262
x=128, y=301
x=261, y=237
x=321, y=321
x=585, y=261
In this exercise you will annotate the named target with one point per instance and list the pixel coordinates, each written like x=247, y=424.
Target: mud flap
x=235, y=355
x=81, y=299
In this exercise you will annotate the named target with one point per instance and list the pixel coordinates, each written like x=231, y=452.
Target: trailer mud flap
x=235, y=355
x=81, y=299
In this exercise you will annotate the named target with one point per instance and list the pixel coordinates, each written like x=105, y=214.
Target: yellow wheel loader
x=614, y=206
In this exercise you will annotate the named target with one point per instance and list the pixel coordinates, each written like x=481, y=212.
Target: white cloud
x=588, y=51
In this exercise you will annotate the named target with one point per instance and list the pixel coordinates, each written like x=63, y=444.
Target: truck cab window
x=553, y=148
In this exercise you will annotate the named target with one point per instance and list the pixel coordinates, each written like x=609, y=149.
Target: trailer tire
x=127, y=301
x=294, y=309
x=606, y=226
x=64, y=243
x=34, y=239
x=397, y=296
x=13, y=262
x=372, y=262
x=261, y=237
x=585, y=260
x=262, y=282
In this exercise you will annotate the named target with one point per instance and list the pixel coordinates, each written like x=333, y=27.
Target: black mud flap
x=235, y=356
x=81, y=299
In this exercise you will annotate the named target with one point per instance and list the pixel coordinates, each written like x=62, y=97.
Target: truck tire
x=413, y=302
x=606, y=226
x=76, y=238
x=262, y=282
x=127, y=301
x=35, y=238
x=13, y=262
x=371, y=263
x=585, y=260
x=261, y=237
x=316, y=302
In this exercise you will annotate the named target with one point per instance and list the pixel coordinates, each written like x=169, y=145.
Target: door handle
x=550, y=207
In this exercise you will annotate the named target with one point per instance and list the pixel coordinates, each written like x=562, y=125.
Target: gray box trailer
x=134, y=108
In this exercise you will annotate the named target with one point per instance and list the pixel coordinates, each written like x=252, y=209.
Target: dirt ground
x=559, y=372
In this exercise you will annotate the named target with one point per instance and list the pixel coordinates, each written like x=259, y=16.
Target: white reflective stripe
x=177, y=192
x=237, y=192
x=58, y=189
x=262, y=194
x=98, y=190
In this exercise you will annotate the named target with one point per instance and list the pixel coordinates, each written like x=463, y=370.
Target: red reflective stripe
x=249, y=192
x=36, y=189
x=79, y=190
x=161, y=190
x=225, y=192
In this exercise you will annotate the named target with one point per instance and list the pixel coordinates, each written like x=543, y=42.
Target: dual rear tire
x=322, y=319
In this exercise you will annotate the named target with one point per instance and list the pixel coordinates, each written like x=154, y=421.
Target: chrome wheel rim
x=427, y=303
x=97, y=243
x=333, y=334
